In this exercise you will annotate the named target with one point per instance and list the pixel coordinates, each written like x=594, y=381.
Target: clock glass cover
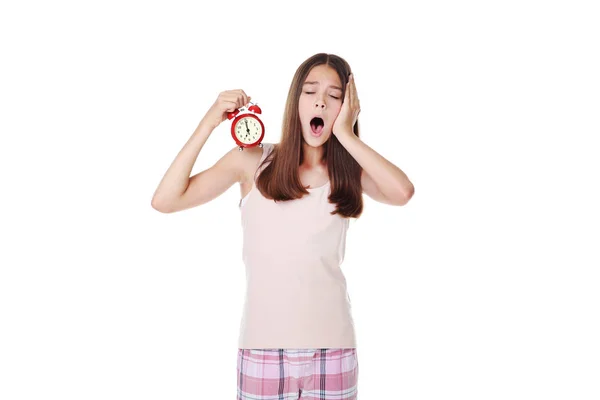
x=248, y=130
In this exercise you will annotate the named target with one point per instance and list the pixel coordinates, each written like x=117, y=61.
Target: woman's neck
x=312, y=157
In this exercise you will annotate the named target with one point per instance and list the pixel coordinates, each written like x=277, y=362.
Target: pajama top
x=296, y=294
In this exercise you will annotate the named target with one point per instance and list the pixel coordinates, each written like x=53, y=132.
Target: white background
x=484, y=286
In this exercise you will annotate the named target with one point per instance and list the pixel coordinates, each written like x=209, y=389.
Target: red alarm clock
x=247, y=129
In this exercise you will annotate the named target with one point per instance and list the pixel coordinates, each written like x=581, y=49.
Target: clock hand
x=247, y=129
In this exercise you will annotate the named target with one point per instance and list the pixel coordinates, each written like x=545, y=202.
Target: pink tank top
x=295, y=290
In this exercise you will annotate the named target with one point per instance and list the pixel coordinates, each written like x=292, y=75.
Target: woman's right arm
x=177, y=190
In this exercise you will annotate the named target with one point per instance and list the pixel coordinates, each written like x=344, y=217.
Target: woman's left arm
x=389, y=180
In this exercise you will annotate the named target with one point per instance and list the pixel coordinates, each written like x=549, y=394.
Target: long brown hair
x=280, y=180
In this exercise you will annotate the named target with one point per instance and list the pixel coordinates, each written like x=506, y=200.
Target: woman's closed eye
x=337, y=98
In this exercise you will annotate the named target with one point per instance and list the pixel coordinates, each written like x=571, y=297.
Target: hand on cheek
x=348, y=115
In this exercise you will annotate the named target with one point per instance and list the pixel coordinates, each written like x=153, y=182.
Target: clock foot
x=241, y=148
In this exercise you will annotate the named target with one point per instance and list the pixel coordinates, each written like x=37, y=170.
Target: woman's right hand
x=227, y=101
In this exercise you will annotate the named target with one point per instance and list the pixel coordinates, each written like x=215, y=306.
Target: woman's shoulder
x=253, y=157
x=267, y=148
x=257, y=152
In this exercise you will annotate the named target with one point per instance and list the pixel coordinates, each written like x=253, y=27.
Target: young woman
x=297, y=336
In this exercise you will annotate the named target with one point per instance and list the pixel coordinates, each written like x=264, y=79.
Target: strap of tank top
x=266, y=149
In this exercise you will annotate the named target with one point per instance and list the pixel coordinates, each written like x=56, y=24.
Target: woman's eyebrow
x=331, y=86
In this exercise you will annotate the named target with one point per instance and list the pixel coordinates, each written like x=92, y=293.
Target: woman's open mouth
x=316, y=126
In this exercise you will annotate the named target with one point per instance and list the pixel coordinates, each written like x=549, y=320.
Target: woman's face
x=321, y=97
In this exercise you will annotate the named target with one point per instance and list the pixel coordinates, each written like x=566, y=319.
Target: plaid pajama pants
x=290, y=374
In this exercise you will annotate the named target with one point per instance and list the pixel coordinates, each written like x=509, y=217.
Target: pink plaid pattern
x=289, y=374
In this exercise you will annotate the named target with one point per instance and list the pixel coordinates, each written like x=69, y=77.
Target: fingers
x=347, y=94
x=243, y=98
x=353, y=94
x=237, y=96
x=231, y=105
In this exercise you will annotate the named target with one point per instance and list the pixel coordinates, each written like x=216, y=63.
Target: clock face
x=248, y=130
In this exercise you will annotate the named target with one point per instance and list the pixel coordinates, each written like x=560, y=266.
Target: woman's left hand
x=344, y=123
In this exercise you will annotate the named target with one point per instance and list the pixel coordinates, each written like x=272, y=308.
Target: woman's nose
x=320, y=103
